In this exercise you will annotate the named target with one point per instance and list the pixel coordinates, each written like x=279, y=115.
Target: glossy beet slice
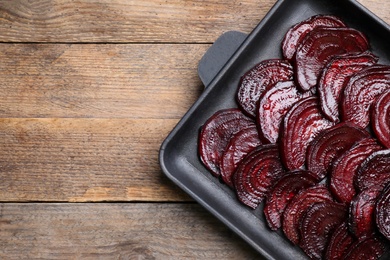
x=273, y=105
x=367, y=248
x=380, y=118
x=282, y=192
x=382, y=212
x=339, y=243
x=332, y=143
x=345, y=168
x=297, y=33
x=374, y=171
x=216, y=133
x=295, y=210
x=300, y=125
x=321, y=45
x=337, y=71
x=239, y=146
x=361, y=91
x=259, y=78
x=257, y=173
x=317, y=226
x=361, y=212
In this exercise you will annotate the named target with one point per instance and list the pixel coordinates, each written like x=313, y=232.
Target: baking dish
x=220, y=70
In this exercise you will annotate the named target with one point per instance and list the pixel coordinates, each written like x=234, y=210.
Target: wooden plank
x=126, y=21
x=379, y=7
x=135, y=21
x=84, y=160
x=95, y=80
x=116, y=231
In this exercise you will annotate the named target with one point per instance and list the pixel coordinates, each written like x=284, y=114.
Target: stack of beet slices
x=310, y=139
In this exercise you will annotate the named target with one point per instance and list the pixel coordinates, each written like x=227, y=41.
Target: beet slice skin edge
x=239, y=146
x=361, y=91
x=301, y=124
x=383, y=213
x=335, y=75
x=257, y=173
x=296, y=209
x=317, y=226
x=330, y=144
x=380, y=118
x=283, y=191
x=374, y=171
x=297, y=33
x=321, y=45
x=345, y=168
x=261, y=77
x=273, y=105
x=215, y=135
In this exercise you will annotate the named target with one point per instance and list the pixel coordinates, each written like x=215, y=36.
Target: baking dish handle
x=218, y=54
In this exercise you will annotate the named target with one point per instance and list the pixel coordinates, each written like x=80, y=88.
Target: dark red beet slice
x=318, y=225
x=257, y=173
x=368, y=248
x=374, y=171
x=382, y=212
x=239, y=146
x=259, y=78
x=300, y=125
x=330, y=144
x=216, y=133
x=273, y=105
x=335, y=74
x=339, y=243
x=297, y=33
x=380, y=118
x=319, y=46
x=361, y=212
x=295, y=210
x=361, y=91
x=345, y=167
x=282, y=192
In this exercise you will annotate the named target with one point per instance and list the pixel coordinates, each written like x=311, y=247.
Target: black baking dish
x=179, y=158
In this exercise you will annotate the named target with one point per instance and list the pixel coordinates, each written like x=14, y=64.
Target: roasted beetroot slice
x=321, y=45
x=367, y=248
x=300, y=125
x=361, y=91
x=259, y=78
x=344, y=169
x=317, y=226
x=332, y=143
x=361, y=212
x=295, y=210
x=380, y=118
x=273, y=105
x=333, y=78
x=282, y=192
x=374, y=171
x=339, y=243
x=297, y=33
x=239, y=146
x=257, y=173
x=382, y=212
x=216, y=133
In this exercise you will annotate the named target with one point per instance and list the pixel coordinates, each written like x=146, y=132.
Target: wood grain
x=99, y=80
x=127, y=21
x=67, y=159
x=116, y=231
x=379, y=8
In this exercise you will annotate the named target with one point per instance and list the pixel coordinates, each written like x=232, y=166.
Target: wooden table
x=89, y=90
